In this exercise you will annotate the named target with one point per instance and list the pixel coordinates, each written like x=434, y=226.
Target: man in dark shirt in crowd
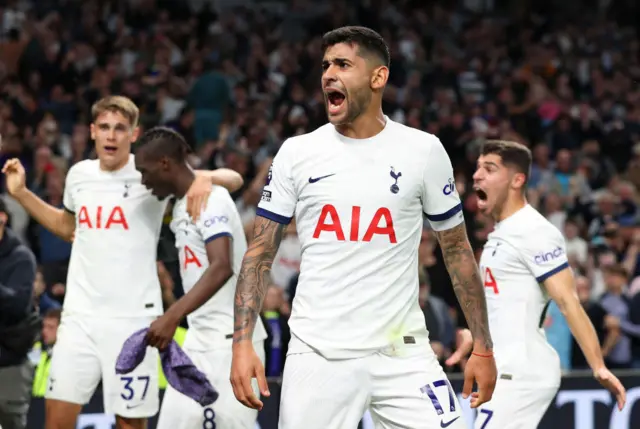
x=617, y=305
x=19, y=325
x=274, y=316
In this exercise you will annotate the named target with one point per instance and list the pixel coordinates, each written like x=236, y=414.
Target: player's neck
x=120, y=165
x=511, y=206
x=183, y=181
x=365, y=126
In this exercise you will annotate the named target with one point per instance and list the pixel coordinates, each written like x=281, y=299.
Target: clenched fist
x=15, y=175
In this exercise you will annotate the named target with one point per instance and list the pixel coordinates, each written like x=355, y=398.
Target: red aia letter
x=116, y=217
x=83, y=217
x=490, y=281
x=190, y=258
x=334, y=226
x=375, y=228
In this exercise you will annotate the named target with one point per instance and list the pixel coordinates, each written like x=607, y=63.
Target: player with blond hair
x=112, y=284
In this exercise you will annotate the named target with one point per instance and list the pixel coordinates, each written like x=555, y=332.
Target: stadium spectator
x=50, y=324
x=275, y=312
x=617, y=304
x=437, y=318
x=19, y=325
x=43, y=299
x=287, y=261
x=608, y=337
x=558, y=334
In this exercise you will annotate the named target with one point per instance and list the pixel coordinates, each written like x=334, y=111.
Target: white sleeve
x=278, y=201
x=67, y=196
x=440, y=199
x=546, y=254
x=215, y=222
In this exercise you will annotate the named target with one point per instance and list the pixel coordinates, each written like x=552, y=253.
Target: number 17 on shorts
x=444, y=402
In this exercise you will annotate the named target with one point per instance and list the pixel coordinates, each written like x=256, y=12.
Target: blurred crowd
x=237, y=81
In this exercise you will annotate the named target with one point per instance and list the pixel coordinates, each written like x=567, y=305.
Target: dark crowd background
x=237, y=78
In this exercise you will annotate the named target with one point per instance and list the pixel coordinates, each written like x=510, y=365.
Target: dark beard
x=361, y=100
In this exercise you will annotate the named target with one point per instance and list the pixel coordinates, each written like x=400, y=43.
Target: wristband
x=481, y=355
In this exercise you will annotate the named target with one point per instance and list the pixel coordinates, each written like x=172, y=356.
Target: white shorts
x=403, y=388
x=515, y=405
x=181, y=412
x=86, y=351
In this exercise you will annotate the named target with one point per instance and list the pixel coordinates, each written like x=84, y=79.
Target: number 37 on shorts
x=134, y=387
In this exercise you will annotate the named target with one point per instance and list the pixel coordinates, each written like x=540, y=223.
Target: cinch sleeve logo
x=543, y=257
x=449, y=187
x=215, y=219
x=269, y=176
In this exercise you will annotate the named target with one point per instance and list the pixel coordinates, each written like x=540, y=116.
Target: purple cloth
x=180, y=372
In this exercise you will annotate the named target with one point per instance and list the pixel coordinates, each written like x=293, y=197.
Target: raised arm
x=561, y=288
x=61, y=222
x=225, y=177
x=198, y=193
x=467, y=284
x=255, y=277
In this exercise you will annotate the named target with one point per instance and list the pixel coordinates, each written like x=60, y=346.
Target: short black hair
x=616, y=269
x=365, y=38
x=163, y=141
x=513, y=154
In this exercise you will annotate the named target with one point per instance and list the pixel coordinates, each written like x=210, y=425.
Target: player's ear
x=135, y=134
x=165, y=163
x=518, y=180
x=92, y=129
x=379, y=77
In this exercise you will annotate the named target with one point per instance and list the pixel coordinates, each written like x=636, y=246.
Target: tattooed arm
x=255, y=277
x=467, y=284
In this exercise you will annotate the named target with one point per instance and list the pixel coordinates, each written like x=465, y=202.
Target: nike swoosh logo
x=447, y=424
x=133, y=406
x=317, y=179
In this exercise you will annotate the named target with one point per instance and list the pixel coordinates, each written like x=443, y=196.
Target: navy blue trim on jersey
x=543, y=315
x=446, y=215
x=69, y=211
x=552, y=272
x=218, y=235
x=273, y=216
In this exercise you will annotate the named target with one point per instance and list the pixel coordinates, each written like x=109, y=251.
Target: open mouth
x=110, y=149
x=335, y=99
x=482, y=195
x=482, y=198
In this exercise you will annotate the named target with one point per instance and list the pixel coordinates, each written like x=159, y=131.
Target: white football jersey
x=358, y=205
x=211, y=325
x=520, y=254
x=112, y=271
